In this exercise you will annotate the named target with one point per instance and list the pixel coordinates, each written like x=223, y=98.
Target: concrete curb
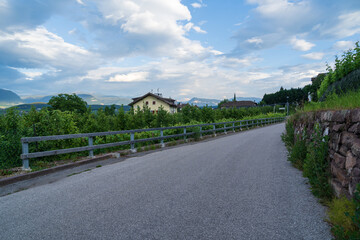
x=26, y=176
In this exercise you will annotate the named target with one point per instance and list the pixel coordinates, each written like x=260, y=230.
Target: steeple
x=234, y=97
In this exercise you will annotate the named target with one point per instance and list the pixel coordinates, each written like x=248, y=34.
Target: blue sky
x=187, y=49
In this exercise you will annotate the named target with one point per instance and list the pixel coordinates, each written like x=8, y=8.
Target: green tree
x=68, y=102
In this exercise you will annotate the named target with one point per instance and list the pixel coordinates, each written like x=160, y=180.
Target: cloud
x=198, y=29
x=314, y=56
x=343, y=45
x=346, y=25
x=301, y=44
x=130, y=77
x=255, y=40
x=196, y=5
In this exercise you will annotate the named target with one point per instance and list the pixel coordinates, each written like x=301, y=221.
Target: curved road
x=234, y=187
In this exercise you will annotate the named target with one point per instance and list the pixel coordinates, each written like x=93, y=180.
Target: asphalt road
x=234, y=187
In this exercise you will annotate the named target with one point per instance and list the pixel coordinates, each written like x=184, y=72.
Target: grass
x=350, y=100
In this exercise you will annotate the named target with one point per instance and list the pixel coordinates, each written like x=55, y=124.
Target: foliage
x=293, y=95
x=49, y=121
x=349, y=100
x=345, y=217
x=349, y=61
x=316, y=165
x=67, y=102
x=298, y=153
x=350, y=82
x=288, y=137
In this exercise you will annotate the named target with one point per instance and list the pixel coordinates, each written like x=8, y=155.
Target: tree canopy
x=68, y=102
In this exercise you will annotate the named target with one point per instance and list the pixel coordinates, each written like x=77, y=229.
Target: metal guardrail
x=25, y=156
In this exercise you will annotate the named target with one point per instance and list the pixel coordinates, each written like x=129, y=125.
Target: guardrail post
x=233, y=125
x=162, y=140
x=132, y=145
x=247, y=124
x=91, y=152
x=185, y=134
x=200, y=131
x=25, y=150
x=240, y=123
x=214, y=130
x=225, y=129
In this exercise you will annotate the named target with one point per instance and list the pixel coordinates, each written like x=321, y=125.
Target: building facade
x=154, y=101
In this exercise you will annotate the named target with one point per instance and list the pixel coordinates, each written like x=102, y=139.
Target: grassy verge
x=312, y=158
x=349, y=100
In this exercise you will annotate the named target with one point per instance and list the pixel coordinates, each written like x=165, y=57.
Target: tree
x=68, y=102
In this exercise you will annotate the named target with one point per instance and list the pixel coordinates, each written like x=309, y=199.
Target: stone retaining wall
x=343, y=129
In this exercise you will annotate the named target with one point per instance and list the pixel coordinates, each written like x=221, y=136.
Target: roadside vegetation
x=68, y=115
x=338, y=89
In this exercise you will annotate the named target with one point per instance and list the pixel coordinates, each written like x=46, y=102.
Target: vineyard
x=48, y=121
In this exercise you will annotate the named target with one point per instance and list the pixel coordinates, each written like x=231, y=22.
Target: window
x=147, y=103
x=154, y=102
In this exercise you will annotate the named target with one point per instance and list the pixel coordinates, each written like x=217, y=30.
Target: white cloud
x=255, y=40
x=198, y=29
x=347, y=25
x=301, y=44
x=314, y=56
x=343, y=45
x=196, y=5
x=80, y=2
x=130, y=77
x=41, y=47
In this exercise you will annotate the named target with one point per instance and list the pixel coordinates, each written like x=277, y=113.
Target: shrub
x=289, y=136
x=317, y=167
x=298, y=153
x=345, y=217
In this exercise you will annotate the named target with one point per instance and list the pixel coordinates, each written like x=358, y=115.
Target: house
x=238, y=104
x=154, y=101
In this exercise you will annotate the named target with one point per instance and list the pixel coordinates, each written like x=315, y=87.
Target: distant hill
x=9, y=97
x=90, y=99
x=201, y=102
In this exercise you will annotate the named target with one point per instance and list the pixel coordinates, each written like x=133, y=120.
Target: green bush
x=348, y=62
x=317, y=167
x=298, y=153
x=344, y=214
x=288, y=137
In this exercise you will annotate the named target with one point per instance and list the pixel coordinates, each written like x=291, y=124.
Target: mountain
x=8, y=98
x=201, y=102
x=90, y=99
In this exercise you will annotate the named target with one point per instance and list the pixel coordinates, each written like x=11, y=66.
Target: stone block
x=338, y=189
x=350, y=161
x=355, y=115
x=338, y=127
x=326, y=116
x=355, y=148
x=355, y=172
x=343, y=150
x=339, y=160
x=340, y=175
x=340, y=116
x=348, y=139
x=352, y=185
x=355, y=128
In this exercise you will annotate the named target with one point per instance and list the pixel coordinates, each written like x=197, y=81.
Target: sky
x=183, y=49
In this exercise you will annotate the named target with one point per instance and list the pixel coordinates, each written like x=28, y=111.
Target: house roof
x=169, y=101
x=239, y=104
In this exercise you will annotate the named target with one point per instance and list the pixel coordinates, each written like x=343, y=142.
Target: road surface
x=234, y=187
